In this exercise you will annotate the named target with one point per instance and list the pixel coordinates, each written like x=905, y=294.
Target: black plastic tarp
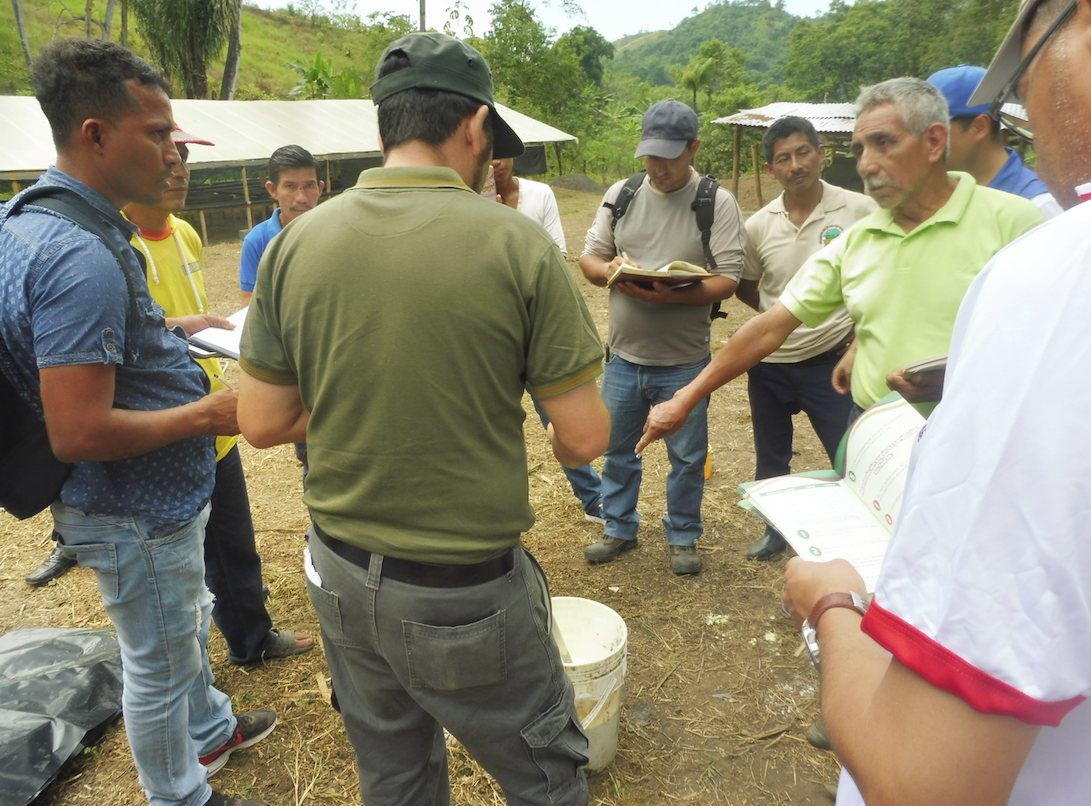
x=59, y=690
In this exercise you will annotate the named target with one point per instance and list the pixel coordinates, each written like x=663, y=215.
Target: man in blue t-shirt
x=977, y=142
x=87, y=347
x=294, y=184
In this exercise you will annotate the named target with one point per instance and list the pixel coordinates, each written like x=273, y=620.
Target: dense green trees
x=872, y=40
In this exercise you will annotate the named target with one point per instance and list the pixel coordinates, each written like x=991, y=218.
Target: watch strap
x=852, y=601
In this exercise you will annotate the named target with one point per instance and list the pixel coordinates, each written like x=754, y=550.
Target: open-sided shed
x=833, y=122
x=342, y=135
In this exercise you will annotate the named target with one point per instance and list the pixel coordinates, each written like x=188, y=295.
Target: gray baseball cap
x=666, y=129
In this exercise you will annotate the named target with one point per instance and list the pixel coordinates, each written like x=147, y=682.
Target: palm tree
x=184, y=35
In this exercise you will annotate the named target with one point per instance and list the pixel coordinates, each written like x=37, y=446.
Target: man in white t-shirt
x=780, y=237
x=966, y=681
x=536, y=201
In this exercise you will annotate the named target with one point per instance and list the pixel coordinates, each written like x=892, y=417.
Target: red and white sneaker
x=253, y=726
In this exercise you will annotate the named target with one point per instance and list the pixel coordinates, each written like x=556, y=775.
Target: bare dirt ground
x=719, y=693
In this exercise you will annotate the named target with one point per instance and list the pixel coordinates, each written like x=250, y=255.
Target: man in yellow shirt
x=172, y=251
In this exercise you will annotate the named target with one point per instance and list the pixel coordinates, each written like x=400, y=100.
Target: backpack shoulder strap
x=704, y=205
x=76, y=209
x=624, y=198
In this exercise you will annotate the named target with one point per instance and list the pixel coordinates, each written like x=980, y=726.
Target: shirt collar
x=833, y=198
x=55, y=176
x=950, y=213
x=431, y=176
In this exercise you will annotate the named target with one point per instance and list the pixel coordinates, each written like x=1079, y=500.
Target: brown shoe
x=685, y=560
x=607, y=549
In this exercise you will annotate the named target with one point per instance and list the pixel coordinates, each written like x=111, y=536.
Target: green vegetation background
x=733, y=55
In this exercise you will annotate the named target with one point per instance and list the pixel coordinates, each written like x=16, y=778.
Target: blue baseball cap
x=957, y=85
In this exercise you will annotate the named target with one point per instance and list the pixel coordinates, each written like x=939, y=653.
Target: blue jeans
x=629, y=391
x=586, y=484
x=154, y=592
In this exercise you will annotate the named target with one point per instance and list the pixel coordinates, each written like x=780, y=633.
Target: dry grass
x=718, y=696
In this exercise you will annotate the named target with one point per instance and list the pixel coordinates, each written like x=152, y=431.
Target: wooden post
x=757, y=173
x=246, y=195
x=735, y=160
x=15, y=187
x=204, y=229
x=329, y=184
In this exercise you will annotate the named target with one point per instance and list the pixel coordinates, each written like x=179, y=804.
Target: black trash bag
x=59, y=691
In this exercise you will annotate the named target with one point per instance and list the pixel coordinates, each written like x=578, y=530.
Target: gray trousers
x=408, y=661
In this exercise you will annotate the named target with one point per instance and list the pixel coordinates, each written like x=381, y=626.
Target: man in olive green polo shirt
x=393, y=329
x=901, y=271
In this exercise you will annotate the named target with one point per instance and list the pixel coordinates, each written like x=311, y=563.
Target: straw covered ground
x=719, y=692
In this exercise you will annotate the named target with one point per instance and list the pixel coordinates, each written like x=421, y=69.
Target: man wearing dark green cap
x=393, y=329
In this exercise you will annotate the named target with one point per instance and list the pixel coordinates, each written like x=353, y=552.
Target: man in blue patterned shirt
x=123, y=401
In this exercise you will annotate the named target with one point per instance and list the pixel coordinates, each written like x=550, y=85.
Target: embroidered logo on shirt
x=830, y=233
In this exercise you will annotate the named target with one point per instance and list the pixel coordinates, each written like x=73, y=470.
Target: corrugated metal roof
x=243, y=131
x=829, y=118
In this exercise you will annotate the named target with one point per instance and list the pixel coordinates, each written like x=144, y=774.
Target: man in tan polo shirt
x=779, y=238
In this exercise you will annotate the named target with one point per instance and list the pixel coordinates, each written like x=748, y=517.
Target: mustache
x=871, y=185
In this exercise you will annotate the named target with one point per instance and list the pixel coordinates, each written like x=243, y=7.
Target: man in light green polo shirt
x=901, y=271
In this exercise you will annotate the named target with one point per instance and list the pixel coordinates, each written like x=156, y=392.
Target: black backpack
x=31, y=476
x=704, y=206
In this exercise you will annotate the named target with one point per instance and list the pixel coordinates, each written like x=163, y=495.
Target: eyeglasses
x=1008, y=103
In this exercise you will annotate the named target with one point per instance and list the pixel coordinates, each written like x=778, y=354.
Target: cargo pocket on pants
x=453, y=658
x=558, y=747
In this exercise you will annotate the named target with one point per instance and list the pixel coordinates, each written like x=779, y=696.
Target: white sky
x=612, y=18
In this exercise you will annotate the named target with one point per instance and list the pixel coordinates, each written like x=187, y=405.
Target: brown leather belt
x=427, y=575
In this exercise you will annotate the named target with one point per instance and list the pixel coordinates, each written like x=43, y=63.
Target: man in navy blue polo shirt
x=977, y=142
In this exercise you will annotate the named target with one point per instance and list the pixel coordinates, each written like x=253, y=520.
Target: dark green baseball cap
x=441, y=62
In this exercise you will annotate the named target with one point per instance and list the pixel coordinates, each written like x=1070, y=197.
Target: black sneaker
x=253, y=726
x=219, y=799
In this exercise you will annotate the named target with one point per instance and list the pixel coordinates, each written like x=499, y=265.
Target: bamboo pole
x=204, y=228
x=246, y=195
x=757, y=173
x=735, y=160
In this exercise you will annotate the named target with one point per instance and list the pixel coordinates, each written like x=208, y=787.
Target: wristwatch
x=853, y=601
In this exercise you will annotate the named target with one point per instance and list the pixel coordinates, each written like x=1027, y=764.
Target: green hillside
x=760, y=29
x=270, y=39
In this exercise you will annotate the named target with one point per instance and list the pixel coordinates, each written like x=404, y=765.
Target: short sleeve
x=565, y=350
x=726, y=239
x=551, y=218
x=985, y=589
x=251, y=257
x=262, y=353
x=600, y=237
x=752, y=268
x=79, y=304
x=815, y=292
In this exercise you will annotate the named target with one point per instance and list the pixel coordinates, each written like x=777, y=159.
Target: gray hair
x=918, y=103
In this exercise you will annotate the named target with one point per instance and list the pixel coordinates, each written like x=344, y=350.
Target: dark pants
x=778, y=391
x=233, y=567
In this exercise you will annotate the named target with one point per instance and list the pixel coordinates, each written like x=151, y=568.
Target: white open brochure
x=850, y=512
x=222, y=341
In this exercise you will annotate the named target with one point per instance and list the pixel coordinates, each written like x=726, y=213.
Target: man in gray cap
x=967, y=679
x=392, y=329
x=659, y=334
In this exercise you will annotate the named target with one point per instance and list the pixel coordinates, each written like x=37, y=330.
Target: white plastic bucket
x=597, y=639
